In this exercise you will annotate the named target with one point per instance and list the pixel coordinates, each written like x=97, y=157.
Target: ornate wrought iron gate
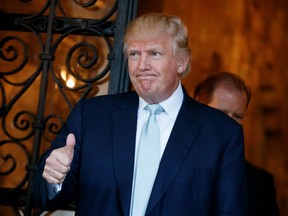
x=50, y=57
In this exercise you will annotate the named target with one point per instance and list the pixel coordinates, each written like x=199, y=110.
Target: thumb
x=70, y=143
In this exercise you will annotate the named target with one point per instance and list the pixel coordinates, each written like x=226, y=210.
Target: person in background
x=97, y=155
x=227, y=92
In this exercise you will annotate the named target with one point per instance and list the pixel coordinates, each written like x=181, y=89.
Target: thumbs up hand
x=58, y=163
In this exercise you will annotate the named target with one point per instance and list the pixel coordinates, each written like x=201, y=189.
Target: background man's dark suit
x=261, y=192
x=196, y=175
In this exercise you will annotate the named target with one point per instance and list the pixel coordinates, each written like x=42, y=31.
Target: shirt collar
x=171, y=105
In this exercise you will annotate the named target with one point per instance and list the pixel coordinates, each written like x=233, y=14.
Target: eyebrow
x=149, y=47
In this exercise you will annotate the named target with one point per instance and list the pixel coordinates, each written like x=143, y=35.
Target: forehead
x=230, y=98
x=149, y=43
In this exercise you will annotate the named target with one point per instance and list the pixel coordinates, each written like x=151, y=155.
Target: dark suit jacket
x=201, y=172
x=261, y=192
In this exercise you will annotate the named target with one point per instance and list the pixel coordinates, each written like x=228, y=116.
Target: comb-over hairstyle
x=158, y=25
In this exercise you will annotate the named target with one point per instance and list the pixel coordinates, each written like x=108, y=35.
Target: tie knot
x=154, y=108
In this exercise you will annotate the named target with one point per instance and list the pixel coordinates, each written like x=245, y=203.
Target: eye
x=239, y=117
x=154, y=53
x=133, y=54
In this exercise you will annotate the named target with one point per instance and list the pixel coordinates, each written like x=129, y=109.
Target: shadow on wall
x=149, y=5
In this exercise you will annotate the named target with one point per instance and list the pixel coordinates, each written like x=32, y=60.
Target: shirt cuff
x=53, y=190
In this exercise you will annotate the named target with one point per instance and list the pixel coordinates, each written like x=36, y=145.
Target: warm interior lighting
x=101, y=4
x=63, y=74
x=69, y=79
x=70, y=82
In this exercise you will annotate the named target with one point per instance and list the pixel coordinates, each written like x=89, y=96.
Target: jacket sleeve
x=40, y=190
x=69, y=187
x=231, y=189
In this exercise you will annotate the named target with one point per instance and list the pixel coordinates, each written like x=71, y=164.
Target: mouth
x=146, y=76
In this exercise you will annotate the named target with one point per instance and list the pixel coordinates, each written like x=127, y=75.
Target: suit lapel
x=179, y=145
x=124, y=135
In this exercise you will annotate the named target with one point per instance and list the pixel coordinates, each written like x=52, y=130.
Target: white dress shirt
x=165, y=119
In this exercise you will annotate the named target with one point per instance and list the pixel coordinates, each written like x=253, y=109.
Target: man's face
x=153, y=68
x=231, y=102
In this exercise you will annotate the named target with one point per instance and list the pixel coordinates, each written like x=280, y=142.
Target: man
x=229, y=93
x=201, y=169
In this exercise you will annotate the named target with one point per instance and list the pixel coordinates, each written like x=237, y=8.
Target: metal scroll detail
x=51, y=56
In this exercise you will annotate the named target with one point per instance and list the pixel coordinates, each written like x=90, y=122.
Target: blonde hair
x=155, y=25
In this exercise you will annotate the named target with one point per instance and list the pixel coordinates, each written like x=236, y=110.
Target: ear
x=182, y=64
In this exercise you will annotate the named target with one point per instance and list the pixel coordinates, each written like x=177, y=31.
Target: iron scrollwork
x=50, y=59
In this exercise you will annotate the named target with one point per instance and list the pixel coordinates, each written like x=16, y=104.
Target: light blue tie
x=147, y=161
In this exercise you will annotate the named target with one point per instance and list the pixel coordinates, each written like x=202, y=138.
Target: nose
x=143, y=63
